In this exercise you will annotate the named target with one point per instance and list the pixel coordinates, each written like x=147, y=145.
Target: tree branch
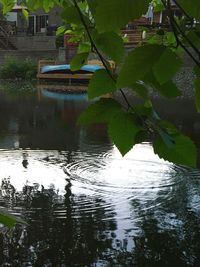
x=97, y=51
x=177, y=30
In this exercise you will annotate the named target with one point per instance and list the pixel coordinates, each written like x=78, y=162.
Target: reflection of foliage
x=58, y=232
x=156, y=247
x=170, y=233
x=17, y=87
x=62, y=231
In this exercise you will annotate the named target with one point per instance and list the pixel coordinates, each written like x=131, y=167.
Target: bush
x=14, y=68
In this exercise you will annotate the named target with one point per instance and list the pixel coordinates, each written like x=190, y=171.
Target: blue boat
x=65, y=68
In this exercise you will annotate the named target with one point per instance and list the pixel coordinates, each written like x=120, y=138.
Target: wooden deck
x=59, y=76
x=67, y=76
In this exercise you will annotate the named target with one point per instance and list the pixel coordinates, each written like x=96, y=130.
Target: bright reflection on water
x=86, y=205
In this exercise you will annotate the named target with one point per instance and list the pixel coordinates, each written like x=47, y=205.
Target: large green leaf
x=100, y=112
x=164, y=63
x=182, y=151
x=140, y=89
x=84, y=47
x=138, y=63
x=123, y=129
x=167, y=66
x=192, y=8
x=115, y=14
x=78, y=61
x=111, y=44
x=100, y=84
x=71, y=15
x=194, y=37
x=168, y=89
x=93, y=5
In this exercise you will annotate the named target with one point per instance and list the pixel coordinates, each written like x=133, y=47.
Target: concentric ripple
x=84, y=184
x=139, y=179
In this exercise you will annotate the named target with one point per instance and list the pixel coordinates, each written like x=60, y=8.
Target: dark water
x=85, y=205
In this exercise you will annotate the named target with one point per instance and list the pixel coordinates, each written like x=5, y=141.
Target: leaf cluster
x=96, y=26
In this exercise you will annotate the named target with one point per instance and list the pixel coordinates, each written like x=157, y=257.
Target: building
x=38, y=32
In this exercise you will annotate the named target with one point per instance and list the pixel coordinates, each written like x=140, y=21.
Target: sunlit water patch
x=124, y=187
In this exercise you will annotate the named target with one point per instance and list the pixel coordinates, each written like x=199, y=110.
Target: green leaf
x=60, y=30
x=143, y=110
x=167, y=66
x=170, y=39
x=123, y=129
x=197, y=93
x=138, y=63
x=183, y=151
x=100, y=84
x=196, y=70
x=92, y=5
x=168, y=89
x=82, y=5
x=78, y=61
x=191, y=7
x=7, y=5
x=25, y=13
x=168, y=126
x=111, y=44
x=158, y=6
x=140, y=89
x=47, y=5
x=112, y=15
x=71, y=15
x=194, y=37
x=9, y=220
x=100, y=112
x=84, y=47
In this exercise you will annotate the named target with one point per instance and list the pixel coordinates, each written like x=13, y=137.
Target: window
x=41, y=22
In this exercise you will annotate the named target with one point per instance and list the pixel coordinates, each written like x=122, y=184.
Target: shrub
x=14, y=68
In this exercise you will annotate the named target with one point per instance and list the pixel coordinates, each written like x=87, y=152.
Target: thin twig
x=183, y=10
x=177, y=30
x=97, y=51
x=186, y=38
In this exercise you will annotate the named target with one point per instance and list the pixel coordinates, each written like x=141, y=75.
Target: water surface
x=85, y=205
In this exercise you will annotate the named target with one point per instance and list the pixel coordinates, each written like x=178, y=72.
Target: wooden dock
x=60, y=76
x=67, y=76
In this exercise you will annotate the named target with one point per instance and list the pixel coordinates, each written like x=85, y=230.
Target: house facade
x=37, y=33
x=38, y=22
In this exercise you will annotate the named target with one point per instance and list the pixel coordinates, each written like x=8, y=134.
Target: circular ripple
x=140, y=179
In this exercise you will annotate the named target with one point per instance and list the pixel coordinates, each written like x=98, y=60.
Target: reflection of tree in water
x=58, y=232
x=170, y=233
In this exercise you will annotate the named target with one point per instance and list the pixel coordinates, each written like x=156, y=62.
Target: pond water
x=85, y=205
